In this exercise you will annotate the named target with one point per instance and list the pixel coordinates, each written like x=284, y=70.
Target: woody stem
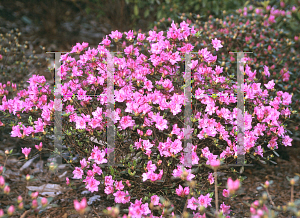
x=216, y=191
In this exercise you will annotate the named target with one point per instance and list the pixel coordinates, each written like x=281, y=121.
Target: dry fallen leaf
x=47, y=189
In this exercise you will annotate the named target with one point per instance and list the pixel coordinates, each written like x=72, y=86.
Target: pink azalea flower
x=119, y=196
x=116, y=35
x=16, y=132
x=141, y=37
x=215, y=163
x=176, y=146
x=204, y=200
x=108, y=181
x=216, y=44
x=128, y=183
x=182, y=192
x=126, y=199
x=151, y=167
x=270, y=84
x=127, y=121
x=80, y=207
x=233, y=185
x=272, y=19
x=106, y=41
x=83, y=163
x=67, y=181
x=198, y=215
x=26, y=152
x=192, y=203
x=211, y=178
x=174, y=58
x=161, y=123
x=152, y=176
x=119, y=185
x=109, y=190
x=259, y=151
x=225, y=193
x=97, y=169
x=287, y=141
x=39, y=147
x=78, y=173
x=154, y=200
x=225, y=209
x=98, y=156
x=149, y=132
x=80, y=123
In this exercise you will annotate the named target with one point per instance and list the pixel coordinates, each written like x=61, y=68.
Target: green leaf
x=135, y=10
x=246, y=3
x=87, y=10
x=298, y=15
x=263, y=162
x=30, y=119
x=276, y=153
x=146, y=13
x=159, y=15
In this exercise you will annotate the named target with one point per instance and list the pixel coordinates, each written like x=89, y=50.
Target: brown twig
x=292, y=193
x=270, y=198
x=24, y=214
x=216, y=191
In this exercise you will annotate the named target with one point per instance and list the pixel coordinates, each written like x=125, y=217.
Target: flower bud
x=11, y=210
x=34, y=204
x=52, y=166
x=252, y=210
x=34, y=195
x=21, y=206
x=185, y=214
x=44, y=202
x=27, y=177
x=6, y=189
x=202, y=209
x=2, y=182
x=267, y=184
x=292, y=181
x=20, y=199
x=265, y=196
x=185, y=174
x=192, y=184
x=115, y=212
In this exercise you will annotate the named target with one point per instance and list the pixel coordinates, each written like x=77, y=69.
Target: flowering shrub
x=265, y=32
x=149, y=77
